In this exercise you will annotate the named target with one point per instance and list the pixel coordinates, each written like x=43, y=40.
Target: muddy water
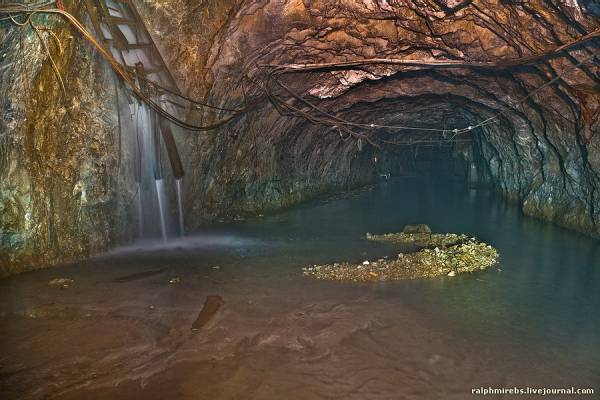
x=122, y=333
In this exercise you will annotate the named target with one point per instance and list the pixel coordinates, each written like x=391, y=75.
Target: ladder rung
x=117, y=21
x=134, y=46
x=107, y=24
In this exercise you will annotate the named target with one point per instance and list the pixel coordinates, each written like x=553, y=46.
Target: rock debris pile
x=421, y=239
x=452, y=254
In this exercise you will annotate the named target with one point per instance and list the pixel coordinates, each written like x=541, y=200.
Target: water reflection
x=545, y=299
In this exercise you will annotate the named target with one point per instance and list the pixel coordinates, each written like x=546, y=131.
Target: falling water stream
x=152, y=199
x=140, y=209
x=161, y=196
x=180, y=207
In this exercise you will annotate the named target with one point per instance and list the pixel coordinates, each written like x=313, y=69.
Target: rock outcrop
x=542, y=152
x=62, y=196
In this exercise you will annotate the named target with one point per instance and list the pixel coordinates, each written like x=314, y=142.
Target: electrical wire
x=305, y=67
x=119, y=69
x=278, y=70
x=275, y=71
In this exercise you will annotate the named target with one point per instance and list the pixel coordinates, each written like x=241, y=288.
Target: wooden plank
x=94, y=18
x=119, y=21
x=211, y=306
x=169, y=140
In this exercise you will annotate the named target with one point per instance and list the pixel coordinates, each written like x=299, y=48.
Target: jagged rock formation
x=543, y=152
x=62, y=196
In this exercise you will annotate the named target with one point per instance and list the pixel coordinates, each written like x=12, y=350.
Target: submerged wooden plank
x=137, y=276
x=211, y=306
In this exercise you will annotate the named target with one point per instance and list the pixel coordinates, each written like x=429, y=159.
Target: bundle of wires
x=274, y=73
x=22, y=14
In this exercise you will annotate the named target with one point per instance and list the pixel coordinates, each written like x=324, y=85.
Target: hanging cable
x=305, y=67
x=117, y=67
x=275, y=71
x=335, y=121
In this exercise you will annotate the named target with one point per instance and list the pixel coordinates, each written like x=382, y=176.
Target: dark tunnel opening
x=299, y=199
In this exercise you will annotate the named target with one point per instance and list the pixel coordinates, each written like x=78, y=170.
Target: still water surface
x=544, y=299
x=124, y=330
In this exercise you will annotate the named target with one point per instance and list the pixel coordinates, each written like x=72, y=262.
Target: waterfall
x=180, y=207
x=140, y=209
x=152, y=198
x=161, y=197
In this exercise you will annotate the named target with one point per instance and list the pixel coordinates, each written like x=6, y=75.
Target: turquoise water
x=544, y=299
x=540, y=308
x=533, y=321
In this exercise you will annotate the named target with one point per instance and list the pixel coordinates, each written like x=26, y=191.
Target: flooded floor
x=122, y=331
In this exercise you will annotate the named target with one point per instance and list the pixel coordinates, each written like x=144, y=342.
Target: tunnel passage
x=535, y=109
x=440, y=152
x=291, y=89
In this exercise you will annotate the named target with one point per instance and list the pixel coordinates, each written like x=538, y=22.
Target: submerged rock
x=212, y=304
x=63, y=283
x=450, y=259
x=416, y=228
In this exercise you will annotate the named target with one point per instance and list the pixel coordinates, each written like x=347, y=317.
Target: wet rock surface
x=63, y=283
x=416, y=228
x=541, y=153
x=61, y=197
x=65, y=171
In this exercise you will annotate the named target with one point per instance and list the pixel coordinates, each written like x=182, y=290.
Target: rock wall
x=260, y=161
x=542, y=152
x=65, y=194
x=61, y=194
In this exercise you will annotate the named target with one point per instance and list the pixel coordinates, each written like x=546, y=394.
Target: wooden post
x=167, y=135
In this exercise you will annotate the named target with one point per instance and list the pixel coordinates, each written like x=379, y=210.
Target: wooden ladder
x=120, y=28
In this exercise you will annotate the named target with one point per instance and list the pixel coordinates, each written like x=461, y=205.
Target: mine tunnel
x=299, y=199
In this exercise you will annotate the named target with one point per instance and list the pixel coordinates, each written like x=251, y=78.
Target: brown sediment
x=283, y=338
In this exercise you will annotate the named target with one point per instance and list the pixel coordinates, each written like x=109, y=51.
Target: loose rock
x=421, y=239
x=63, y=283
x=417, y=228
x=456, y=254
